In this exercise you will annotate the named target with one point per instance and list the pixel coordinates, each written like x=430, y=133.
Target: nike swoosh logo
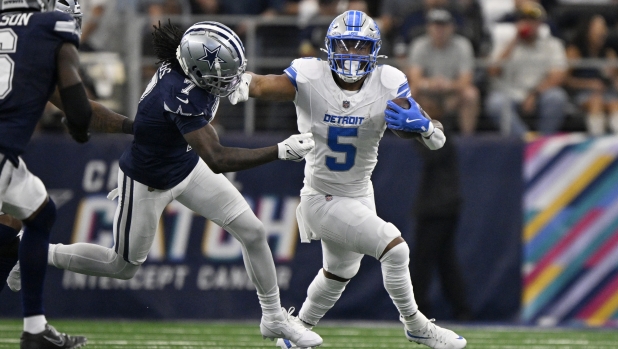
x=185, y=101
x=413, y=336
x=58, y=342
x=409, y=121
x=293, y=153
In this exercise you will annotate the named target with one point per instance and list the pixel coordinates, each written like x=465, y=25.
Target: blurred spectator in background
x=527, y=74
x=440, y=72
x=473, y=26
x=205, y=7
x=437, y=212
x=512, y=17
x=594, y=87
x=312, y=36
x=404, y=20
x=102, y=26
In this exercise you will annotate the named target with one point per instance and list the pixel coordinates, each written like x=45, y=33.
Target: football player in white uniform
x=342, y=102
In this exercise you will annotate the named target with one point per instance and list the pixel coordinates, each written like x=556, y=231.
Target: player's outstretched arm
x=227, y=159
x=103, y=119
x=72, y=93
x=268, y=87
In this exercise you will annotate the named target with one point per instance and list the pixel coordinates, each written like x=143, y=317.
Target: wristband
x=427, y=134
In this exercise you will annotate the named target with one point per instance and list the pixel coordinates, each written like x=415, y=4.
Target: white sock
x=50, y=255
x=321, y=296
x=397, y=281
x=35, y=324
x=271, y=306
x=613, y=122
x=595, y=123
x=415, y=322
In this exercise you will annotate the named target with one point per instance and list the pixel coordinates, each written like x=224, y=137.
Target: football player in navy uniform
x=38, y=54
x=103, y=120
x=176, y=155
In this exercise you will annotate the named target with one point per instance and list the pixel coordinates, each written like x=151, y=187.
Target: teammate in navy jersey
x=176, y=155
x=38, y=52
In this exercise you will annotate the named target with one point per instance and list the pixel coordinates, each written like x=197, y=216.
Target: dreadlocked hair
x=166, y=40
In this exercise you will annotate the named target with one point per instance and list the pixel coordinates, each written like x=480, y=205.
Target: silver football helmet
x=213, y=57
x=352, y=44
x=38, y=5
x=71, y=7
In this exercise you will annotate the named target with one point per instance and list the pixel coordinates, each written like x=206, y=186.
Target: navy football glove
x=407, y=120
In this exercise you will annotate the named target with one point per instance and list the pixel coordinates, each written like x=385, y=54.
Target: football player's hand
x=408, y=120
x=242, y=92
x=80, y=136
x=296, y=147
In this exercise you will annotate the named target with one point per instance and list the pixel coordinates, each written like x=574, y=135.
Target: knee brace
x=45, y=219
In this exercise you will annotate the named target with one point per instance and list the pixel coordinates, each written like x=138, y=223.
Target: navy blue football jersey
x=171, y=106
x=29, y=42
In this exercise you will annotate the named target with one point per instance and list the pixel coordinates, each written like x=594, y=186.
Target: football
x=404, y=103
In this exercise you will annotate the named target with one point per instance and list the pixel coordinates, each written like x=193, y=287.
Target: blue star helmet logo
x=211, y=57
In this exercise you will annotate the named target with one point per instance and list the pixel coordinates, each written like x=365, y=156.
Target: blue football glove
x=407, y=120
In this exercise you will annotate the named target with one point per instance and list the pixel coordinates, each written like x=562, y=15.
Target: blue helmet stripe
x=350, y=21
x=218, y=25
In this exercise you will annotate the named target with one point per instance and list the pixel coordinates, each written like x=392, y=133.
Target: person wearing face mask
x=527, y=74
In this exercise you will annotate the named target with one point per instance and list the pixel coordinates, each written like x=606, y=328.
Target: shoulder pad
x=393, y=78
x=182, y=97
x=62, y=25
x=311, y=68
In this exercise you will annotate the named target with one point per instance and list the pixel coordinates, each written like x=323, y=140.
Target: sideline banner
x=571, y=231
x=195, y=269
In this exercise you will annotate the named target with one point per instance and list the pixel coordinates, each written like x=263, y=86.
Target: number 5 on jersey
x=348, y=149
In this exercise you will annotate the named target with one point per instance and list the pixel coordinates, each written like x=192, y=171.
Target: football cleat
x=291, y=329
x=287, y=344
x=51, y=339
x=435, y=336
x=14, y=279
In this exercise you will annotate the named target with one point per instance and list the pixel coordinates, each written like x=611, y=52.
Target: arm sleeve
x=292, y=73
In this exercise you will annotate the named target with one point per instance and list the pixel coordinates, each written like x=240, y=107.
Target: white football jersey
x=347, y=126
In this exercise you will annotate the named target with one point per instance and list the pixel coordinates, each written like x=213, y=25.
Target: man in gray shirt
x=527, y=73
x=440, y=72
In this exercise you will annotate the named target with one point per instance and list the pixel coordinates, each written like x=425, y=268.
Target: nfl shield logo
x=346, y=104
x=328, y=197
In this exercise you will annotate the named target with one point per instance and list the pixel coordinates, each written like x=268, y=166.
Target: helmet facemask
x=352, y=59
x=218, y=85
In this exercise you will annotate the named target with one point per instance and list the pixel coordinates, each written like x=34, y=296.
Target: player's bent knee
x=397, y=256
x=126, y=270
x=343, y=272
x=44, y=218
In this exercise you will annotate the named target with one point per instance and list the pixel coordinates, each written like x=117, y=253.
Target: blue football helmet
x=352, y=44
x=37, y=5
x=71, y=7
x=213, y=57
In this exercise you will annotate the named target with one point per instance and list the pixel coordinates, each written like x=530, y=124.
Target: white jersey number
x=8, y=44
x=348, y=149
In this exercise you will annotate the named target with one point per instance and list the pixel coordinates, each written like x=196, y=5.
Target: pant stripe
x=127, y=227
x=121, y=198
x=2, y=163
